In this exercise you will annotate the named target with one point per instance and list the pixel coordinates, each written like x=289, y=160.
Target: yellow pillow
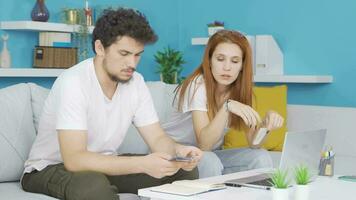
x=266, y=98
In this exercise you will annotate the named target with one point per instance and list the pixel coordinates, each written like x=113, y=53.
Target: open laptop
x=299, y=148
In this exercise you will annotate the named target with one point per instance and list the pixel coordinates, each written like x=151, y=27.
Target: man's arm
x=76, y=157
x=159, y=141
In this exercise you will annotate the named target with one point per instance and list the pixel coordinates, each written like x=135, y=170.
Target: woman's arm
x=208, y=133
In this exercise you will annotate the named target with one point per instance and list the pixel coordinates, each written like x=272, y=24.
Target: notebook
x=187, y=187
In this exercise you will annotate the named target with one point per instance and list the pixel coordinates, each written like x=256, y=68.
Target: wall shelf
x=292, y=79
x=38, y=72
x=277, y=78
x=40, y=26
x=30, y=72
x=200, y=41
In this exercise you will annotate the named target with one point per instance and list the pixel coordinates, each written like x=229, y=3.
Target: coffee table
x=323, y=188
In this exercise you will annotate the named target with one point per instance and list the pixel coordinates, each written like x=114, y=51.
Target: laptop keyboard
x=264, y=182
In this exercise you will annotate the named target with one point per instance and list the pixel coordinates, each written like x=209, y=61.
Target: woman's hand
x=272, y=121
x=247, y=113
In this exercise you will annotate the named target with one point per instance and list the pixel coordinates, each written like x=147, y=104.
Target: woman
x=217, y=96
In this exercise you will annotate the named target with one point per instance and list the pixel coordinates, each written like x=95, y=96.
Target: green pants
x=57, y=182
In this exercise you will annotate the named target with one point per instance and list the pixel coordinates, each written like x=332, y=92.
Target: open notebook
x=187, y=187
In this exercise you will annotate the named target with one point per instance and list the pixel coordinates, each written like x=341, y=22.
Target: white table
x=323, y=188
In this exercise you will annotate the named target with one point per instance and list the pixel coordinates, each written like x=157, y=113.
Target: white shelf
x=40, y=26
x=38, y=72
x=292, y=79
x=200, y=41
x=29, y=72
x=276, y=78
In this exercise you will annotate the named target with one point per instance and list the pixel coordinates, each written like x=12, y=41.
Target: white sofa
x=21, y=105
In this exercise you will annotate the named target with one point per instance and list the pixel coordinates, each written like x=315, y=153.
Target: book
x=188, y=187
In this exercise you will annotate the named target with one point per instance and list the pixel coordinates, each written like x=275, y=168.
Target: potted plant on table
x=170, y=63
x=280, y=190
x=215, y=26
x=302, y=179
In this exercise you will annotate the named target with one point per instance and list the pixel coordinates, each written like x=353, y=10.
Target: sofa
x=21, y=105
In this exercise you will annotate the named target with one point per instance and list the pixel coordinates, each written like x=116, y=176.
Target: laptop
x=302, y=147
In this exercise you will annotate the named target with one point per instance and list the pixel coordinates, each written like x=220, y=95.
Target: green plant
x=170, y=64
x=302, y=175
x=279, y=179
x=76, y=16
x=215, y=23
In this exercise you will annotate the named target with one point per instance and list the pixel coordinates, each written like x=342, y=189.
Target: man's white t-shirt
x=180, y=124
x=77, y=102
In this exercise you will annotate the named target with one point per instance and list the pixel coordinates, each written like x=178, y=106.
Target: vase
x=213, y=29
x=5, y=54
x=71, y=16
x=302, y=192
x=280, y=193
x=40, y=12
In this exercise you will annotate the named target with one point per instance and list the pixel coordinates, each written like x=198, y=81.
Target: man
x=87, y=114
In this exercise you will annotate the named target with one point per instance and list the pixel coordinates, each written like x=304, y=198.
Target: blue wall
x=317, y=37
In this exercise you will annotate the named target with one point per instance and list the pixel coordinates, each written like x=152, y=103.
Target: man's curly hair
x=122, y=22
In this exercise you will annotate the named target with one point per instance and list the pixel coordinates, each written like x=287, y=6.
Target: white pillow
x=162, y=96
x=38, y=96
x=17, y=131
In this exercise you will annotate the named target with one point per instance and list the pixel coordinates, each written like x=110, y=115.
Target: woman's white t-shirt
x=77, y=102
x=179, y=126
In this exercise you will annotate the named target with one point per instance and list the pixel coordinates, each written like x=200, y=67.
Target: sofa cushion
x=17, y=131
x=162, y=96
x=38, y=96
x=266, y=98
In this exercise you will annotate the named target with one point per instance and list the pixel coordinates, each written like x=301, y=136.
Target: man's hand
x=158, y=165
x=189, y=151
x=272, y=121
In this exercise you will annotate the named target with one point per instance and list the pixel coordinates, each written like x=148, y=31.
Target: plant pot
x=212, y=30
x=302, y=192
x=174, y=81
x=280, y=193
x=71, y=16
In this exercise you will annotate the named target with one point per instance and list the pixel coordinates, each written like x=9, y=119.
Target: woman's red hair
x=240, y=90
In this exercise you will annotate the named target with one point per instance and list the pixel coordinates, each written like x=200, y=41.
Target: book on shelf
x=50, y=39
x=188, y=187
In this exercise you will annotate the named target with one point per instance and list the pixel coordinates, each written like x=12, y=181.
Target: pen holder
x=326, y=166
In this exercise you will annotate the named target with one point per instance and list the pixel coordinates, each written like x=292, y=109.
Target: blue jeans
x=218, y=162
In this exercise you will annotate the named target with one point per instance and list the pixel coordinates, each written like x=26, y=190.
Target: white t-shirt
x=77, y=102
x=180, y=124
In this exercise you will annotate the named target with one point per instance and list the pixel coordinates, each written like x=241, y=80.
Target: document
x=187, y=187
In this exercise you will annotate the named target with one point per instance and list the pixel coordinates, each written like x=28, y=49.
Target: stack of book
x=54, y=51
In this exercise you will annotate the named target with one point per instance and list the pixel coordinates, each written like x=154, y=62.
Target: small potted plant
x=280, y=184
x=302, y=179
x=170, y=64
x=215, y=26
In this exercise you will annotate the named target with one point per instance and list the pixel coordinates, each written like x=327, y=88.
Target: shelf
x=30, y=72
x=36, y=72
x=292, y=79
x=200, y=41
x=40, y=26
x=277, y=78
